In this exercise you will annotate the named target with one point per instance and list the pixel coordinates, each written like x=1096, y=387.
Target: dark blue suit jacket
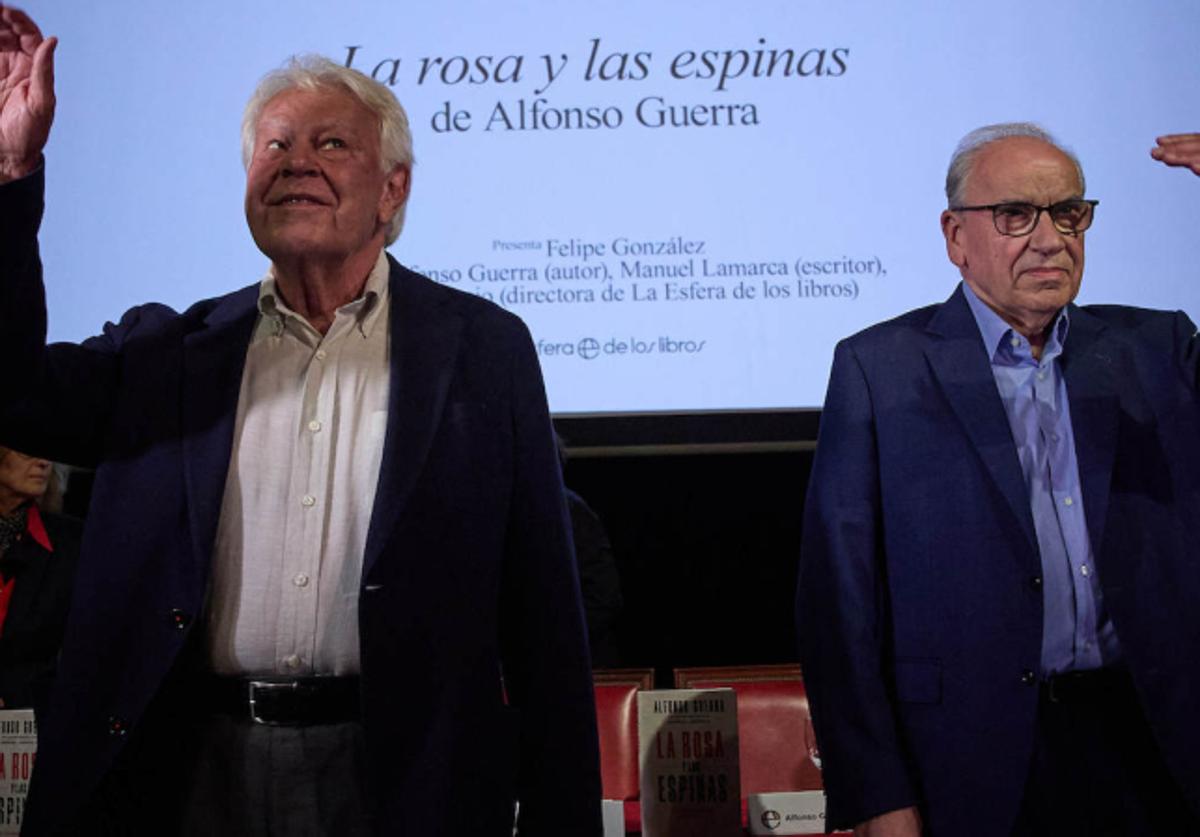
x=468, y=572
x=919, y=607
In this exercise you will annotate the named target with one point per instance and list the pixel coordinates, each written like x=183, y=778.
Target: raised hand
x=26, y=93
x=1179, y=150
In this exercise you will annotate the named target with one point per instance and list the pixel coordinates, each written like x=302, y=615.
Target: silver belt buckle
x=257, y=686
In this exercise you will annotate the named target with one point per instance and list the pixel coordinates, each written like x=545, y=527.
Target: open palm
x=26, y=92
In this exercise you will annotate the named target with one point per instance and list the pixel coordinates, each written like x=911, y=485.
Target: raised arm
x=26, y=93
x=1179, y=150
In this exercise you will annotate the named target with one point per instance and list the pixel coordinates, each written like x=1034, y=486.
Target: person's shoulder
x=153, y=317
x=918, y=319
x=1131, y=318
x=1150, y=328
x=474, y=310
x=1151, y=338
x=65, y=532
x=912, y=328
x=65, y=524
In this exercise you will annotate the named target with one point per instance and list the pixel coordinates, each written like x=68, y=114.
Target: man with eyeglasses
x=999, y=597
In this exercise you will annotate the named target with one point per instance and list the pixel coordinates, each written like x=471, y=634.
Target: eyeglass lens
x=1073, y=216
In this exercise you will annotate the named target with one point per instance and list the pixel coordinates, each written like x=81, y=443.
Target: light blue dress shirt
x=1076, y=633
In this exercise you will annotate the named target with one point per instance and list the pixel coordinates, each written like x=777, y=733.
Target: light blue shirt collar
x=998, y=335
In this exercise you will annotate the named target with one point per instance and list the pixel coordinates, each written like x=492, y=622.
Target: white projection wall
x=688, y=202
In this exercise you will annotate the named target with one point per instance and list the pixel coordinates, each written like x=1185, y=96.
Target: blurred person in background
x=38, y=551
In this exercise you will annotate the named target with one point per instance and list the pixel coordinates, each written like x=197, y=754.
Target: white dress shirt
x=307, y=444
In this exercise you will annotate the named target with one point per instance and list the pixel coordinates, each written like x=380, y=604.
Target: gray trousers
x=252, y=780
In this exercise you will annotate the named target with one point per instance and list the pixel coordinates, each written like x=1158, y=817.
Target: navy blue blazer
x=468, y=574
x=919, y=607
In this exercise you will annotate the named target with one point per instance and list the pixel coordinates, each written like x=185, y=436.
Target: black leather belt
x=300, y=701
x=1075, y=687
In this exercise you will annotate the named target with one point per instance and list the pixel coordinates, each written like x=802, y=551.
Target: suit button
x=179, y=619
x=117, y=727
x=1035, y=583
x=1028, y=677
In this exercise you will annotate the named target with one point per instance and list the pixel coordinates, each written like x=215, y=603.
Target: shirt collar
x=37, y=529
x=365, y=310
x=998, y=335
x=26, y=520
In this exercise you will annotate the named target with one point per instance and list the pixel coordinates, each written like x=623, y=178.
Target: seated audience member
x=38, y=550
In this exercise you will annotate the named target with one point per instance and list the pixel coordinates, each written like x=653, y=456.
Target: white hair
x=315, y=72
x=963, y=159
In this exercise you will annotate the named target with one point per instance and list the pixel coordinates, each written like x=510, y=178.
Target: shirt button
x=308, y=501
x=1085, y=571
x=314, y=425
x=1028, y=677
x=1015, y=342
x=320, y=354
x=1067, y=501
x=1041, y=376
x=291, y=660
x=1035, y=583
x=300, y=580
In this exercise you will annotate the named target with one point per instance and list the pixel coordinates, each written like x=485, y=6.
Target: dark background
x=706, y=538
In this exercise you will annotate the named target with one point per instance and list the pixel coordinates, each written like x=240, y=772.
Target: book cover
x=690, y=786
x=18, y=747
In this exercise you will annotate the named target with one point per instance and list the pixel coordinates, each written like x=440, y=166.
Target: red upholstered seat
x=777, y=749
x=616, y=718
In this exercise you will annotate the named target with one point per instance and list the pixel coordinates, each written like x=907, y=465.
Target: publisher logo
x=770, y=819
x=589, y=348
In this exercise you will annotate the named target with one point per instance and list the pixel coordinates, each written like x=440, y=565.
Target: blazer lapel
x=424, y=341
x=1091, y=391
x=213, y=360
x=963, y=370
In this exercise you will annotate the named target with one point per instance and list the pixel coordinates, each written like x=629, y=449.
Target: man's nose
x=1045, y=236
x=299, y=163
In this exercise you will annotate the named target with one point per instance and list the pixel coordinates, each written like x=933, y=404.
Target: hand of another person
x=1179, y=150
x=26, y=93
x=905, y=822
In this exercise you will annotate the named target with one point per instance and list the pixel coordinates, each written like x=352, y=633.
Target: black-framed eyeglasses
x=1070, y=217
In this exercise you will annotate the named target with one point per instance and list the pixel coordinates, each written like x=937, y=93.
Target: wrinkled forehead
x=326, y=102
x=1022, y=168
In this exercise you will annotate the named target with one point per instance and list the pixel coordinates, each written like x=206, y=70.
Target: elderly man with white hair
x=997, y=600
x=327, y=584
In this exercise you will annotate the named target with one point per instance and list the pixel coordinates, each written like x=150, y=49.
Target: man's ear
x=953, y=231
x=395, y=192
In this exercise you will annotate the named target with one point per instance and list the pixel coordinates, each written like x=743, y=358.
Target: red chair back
x=616, y=718
x=776, y=747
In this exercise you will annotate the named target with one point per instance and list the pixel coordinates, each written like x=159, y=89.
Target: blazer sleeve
x=58, y=397
x=842, y=610
x=22, y=295
x=547, y=671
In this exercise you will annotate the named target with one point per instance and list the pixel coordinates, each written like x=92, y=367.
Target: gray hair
x=969, y=147
x=315, y=72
